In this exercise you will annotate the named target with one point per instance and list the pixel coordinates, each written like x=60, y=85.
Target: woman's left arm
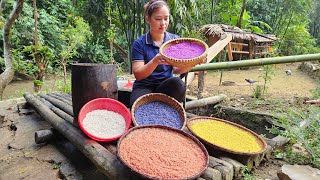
x=179, y=70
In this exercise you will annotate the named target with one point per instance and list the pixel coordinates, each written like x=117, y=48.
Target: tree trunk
x=201, y=79
x=119, y=48
x=244, y=2
x=287, y=27
x=112, y=61
x=41, y=65
x=64, y=74
x=7, y=75
x=205, y=101
x=42, y=68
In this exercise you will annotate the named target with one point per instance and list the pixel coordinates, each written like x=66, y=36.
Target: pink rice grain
x=162, y=154
x=184, y=50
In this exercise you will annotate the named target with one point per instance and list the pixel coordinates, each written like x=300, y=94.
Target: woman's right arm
x=142, y=70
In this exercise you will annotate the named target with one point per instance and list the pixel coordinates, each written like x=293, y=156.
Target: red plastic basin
x=104, y=104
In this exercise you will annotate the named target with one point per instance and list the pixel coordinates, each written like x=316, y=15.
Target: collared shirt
x=144, y=49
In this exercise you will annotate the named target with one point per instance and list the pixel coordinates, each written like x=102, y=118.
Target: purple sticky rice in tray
x=158, y=113
x=184, y=50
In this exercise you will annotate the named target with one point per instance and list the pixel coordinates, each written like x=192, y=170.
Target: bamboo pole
x=60, y=98
x=60, y=104
x=256, y=62
x=58, y=111
x=64, y=95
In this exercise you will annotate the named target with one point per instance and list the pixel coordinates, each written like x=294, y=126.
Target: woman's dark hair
x=152, y=5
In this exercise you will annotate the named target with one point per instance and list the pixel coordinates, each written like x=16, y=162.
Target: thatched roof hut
x=237, y=33
x=243, y=41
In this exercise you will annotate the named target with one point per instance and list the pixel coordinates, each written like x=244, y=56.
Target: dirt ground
x=280, y=86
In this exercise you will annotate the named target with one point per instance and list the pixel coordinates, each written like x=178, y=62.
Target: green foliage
x=43, y=52
x=290, y=21
x=229, y=7
x=246, y=174
x=55, y=165
x=61, y=86
x=258, y=92
x=74, y=34
x=25, y=67
x=2, y=64
x=185, y=16
x=94, y=52
x=307, y=134
x=268, y=72
x=297, y=40
x=38, y=82
x=314, y=17
x=316, y=92
x=196, y=34
x=294, y=22
x=247, y=22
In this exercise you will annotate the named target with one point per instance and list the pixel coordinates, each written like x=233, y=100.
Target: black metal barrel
x=90, y=81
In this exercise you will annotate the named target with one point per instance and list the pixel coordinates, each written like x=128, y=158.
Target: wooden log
x=225, y=168
x=200, y=178
x=58, y=111
x=190, y=115
x=316, y=101
x=229, y=47
x=211, y=174
x=205, y=101
x=237, y=166
x=268, y=153
x=249, y=161
x=112, y=148
x=61, y=105
x=280, y=141
x=43, y=136
x=47, y=135
x=104, y=160
x=60, y=98
x=201, y=78
x=64, y=95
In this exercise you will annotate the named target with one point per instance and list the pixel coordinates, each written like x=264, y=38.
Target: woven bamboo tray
x=152, y=97
x=184, y=62
x=259, y=140
x=135, y=130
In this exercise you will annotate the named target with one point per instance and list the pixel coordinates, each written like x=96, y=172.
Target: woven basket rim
x=259, y=140
x=161, y=51
x=189, y=136
x=134, y=107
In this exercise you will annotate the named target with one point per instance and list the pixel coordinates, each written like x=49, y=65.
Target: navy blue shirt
x=144, y=49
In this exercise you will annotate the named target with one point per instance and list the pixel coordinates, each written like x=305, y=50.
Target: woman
x=152, y=72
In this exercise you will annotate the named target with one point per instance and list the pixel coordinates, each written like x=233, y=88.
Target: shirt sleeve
x=137, y=52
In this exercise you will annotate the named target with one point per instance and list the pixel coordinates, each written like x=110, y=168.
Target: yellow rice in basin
x=226, y=136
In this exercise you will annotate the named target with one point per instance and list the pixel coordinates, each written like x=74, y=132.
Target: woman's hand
x=181, y=70
x=159, y=59
x=142, y=71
